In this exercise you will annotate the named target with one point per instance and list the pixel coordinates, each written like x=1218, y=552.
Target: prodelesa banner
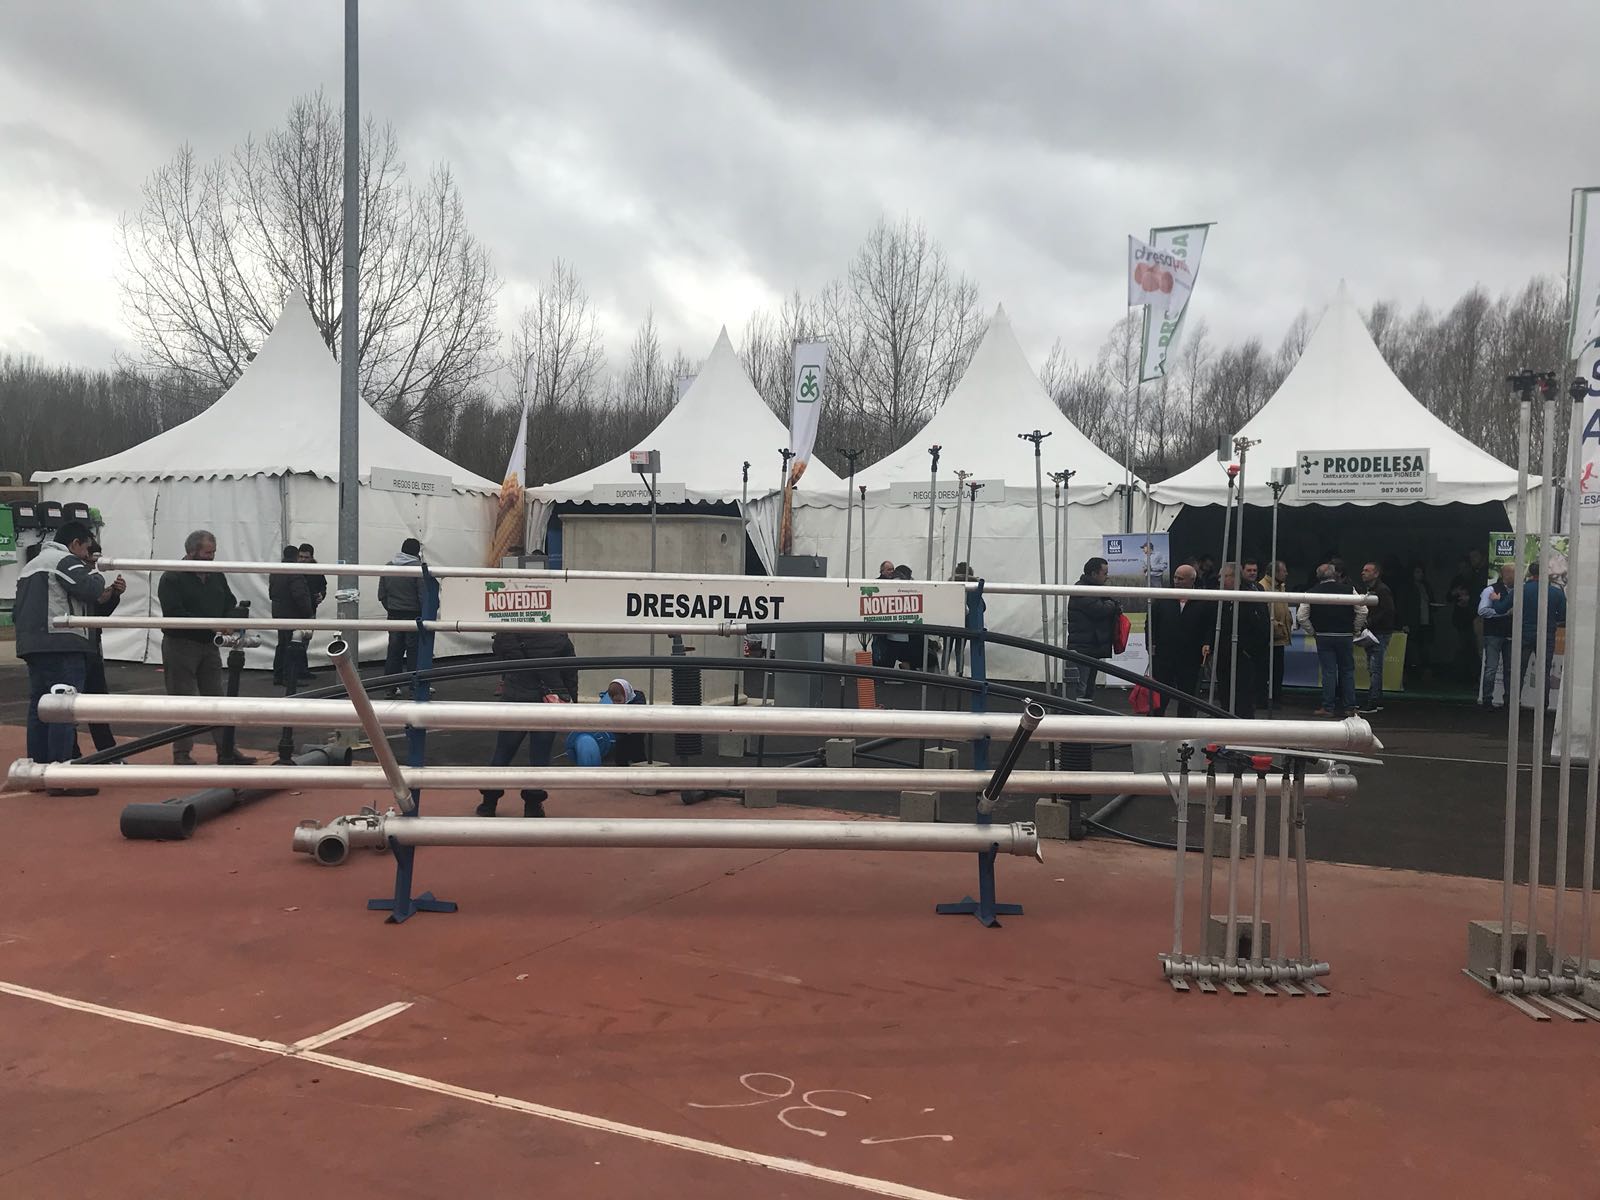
x=652, y=599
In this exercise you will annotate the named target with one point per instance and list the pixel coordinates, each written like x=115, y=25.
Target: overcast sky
x=705, y=158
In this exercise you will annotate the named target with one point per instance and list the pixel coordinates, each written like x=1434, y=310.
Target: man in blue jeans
x=529, y=686
x=1380, y=624
x=1334, y=626
x=1557, y=606
x=1494, y=607
x=58, y=582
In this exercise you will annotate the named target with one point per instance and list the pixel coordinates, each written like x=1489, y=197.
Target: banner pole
x=1564, y=793
x=933, y=503
x=1216, y=636
x=1243, y=445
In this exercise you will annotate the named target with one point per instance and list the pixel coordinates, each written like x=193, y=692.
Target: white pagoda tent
x=260, y=469
x=1342, y=395
x=720, y=423
x=999, y=397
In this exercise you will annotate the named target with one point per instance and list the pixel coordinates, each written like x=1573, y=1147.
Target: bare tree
x=901, y=330
x=556, y=355
x=213, y=250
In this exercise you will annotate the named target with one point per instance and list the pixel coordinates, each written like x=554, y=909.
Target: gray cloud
x=701, y=157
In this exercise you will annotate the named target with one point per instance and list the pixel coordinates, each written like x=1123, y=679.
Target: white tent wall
x=1005, y=548
x=253, y=519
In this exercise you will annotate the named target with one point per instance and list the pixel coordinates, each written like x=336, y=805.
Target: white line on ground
x=672, y=1141
x=355, y=1025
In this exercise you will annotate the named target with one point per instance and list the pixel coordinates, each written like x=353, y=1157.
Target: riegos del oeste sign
x=1361, y=475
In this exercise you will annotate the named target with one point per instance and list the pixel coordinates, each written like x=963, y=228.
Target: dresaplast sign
x=1361, y=475
x=651, y=599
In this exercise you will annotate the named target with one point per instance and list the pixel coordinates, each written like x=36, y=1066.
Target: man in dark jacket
x=1334, y=627
x=401, y=597
x=190, y=663
x=1380, y=624
x=1179, y=630
x=1557, y=606
x=1494, y=605
x=94, y=683
x=291, y=599
x=1254, y=624
x=535, y=685
x=57, y=582
x=1092, y=623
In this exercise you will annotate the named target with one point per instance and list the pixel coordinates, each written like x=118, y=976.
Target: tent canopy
x=720, y=423
x=1000, y=396
x=281, y=417
x=1342, y=395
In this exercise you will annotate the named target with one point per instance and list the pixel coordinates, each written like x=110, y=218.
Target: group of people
x=62, y=578
x=1188, y=636
x=295, y=597
x=1496, y=607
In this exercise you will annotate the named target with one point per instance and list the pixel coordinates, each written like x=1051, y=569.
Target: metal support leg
x=1206, y=864
x=1185, y=752
x=1312, y=985
x=1258, y=815
x=1230, y=948
x=1285, y=804
x=404, y=905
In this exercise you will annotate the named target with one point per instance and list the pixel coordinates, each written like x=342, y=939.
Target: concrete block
x=1151, y=757
x=1483, y=948
x=839, y=752
x=940, y=758
x=1217, y=938
x=760, y=798
x=1054, y=818
x=730, y=745
x=919, y=806
x=1221, y=838
x=959, y=807
x=649, y=791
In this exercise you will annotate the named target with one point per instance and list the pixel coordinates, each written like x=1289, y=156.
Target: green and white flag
x=805, y=402
x=1583, y=271
x=1163, y=323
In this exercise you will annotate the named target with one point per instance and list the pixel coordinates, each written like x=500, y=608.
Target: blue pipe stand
x=985, y=907
x=403, y=905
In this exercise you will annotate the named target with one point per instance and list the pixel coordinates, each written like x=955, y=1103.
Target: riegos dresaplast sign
x=1361, y=475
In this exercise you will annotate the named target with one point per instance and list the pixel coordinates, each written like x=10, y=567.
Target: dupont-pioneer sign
x=1361, y=475
x=650, y=599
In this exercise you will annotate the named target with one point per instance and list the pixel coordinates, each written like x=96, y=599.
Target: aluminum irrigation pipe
x=1349, y=735
x=330, y=845
x=26, y=775
x=1027, y=724
x=445, y=572
x=361, y=704
x=379, y=625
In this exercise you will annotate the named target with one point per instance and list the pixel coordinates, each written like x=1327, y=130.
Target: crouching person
x=590, y=749
x=535, y=685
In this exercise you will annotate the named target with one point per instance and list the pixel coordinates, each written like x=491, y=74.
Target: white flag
x=518, y=462
x=1157, y=276
x=805, y=402
x=1163, y=320
x=1583, y=269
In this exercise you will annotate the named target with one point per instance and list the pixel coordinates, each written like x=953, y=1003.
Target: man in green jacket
x=189, y=657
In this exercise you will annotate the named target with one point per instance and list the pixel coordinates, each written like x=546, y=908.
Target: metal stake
x=1574, y=508
x=349, y=595
x=1037, y=437
x=1216, y=637
x=1522, y=384
x=1541, y=668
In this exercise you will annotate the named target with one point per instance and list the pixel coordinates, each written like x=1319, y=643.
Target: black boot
x=487, y=807
x=533, y=801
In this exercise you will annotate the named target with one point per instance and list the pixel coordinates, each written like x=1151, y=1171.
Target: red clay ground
x=638, y=987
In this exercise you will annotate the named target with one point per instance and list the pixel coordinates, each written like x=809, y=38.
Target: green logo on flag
x=810, y=388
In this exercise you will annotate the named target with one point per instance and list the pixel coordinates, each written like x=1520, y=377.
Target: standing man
x=190, y=662
x=539, y=685
x=291, y=599
x=1179, y=630
x=1494, y=606
x=1380, y=624
x=318, y=584
x=95, y=680
x=1282, y=628
x=1252, y=647
x=1334, y=628
x=57, y=581
x=401, y=598
x=1557, y=606
x=1092, y=623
